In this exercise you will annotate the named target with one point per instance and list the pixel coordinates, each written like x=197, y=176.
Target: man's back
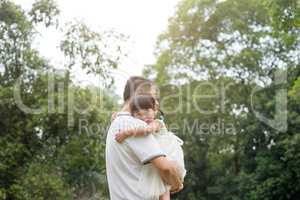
x=124, y=161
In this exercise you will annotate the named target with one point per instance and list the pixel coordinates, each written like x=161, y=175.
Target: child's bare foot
x=165, y=196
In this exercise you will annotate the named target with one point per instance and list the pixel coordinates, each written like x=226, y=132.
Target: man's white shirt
x=124, y=161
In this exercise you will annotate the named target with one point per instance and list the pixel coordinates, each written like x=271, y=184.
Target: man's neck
x=125, y=107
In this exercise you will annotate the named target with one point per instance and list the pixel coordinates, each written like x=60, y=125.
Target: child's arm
x=152, y=127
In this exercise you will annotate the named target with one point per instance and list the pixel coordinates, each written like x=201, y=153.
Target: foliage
x=49, y=149
x=217, y=67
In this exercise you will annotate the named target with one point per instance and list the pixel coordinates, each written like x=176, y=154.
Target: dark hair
x=140, y=102
x=135, y=83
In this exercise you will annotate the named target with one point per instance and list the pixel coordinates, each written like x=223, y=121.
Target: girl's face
x=153, y=91
x=147, y=115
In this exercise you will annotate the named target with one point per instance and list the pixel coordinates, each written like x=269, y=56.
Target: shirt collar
x=123, y=113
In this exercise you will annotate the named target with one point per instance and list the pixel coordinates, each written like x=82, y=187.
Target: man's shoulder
x=124, y=123
x=128, y=119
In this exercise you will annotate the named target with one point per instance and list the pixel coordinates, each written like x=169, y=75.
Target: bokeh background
x=228, y=75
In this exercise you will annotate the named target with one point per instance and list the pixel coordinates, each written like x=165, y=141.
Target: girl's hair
x=140, y=102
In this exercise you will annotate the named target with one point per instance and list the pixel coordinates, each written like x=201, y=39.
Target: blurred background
x=228, y=75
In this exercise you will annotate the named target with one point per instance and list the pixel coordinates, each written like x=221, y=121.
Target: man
x=124, y=161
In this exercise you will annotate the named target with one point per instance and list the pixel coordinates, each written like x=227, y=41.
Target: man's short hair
x=134, y=84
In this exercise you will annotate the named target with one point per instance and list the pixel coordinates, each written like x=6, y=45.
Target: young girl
x=150, y=184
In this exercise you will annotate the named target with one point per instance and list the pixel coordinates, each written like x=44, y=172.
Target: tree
x=48, y=147
x=241, y=45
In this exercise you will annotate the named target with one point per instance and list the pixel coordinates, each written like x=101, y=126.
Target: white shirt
x=124, y=161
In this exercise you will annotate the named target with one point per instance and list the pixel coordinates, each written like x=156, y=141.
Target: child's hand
x=155, y=126
x=120, y=137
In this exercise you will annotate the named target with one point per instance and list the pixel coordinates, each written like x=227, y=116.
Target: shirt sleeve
x=146, y=147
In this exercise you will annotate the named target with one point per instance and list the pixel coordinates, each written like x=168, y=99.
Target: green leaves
x=45, y=11
x=240, y=45
x=94, y=52
x=41, y=181
x=294, y=93
x=285, y=14
x=57, y=152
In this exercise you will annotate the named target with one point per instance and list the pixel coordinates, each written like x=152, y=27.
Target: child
x=150, y=184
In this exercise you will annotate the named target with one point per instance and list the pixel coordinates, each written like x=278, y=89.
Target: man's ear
x=113, y=116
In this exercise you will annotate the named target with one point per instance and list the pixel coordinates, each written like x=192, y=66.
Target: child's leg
x=165, y=196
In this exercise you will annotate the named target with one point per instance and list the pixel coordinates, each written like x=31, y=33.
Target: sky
x=141, y=20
